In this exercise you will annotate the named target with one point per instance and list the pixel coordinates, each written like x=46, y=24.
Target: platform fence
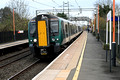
x=103, y=39
x=9, y=37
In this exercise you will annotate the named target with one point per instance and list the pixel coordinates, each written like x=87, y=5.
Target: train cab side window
x=32, y=28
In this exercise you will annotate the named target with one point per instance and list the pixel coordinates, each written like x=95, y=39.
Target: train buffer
x=84, y=59
x=11, y=44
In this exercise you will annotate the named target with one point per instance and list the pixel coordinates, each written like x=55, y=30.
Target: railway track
x=9, y=60
x=14, y=77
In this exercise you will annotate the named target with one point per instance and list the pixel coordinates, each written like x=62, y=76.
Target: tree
x=104, y=2
x=21, y=13
x=62, y=15
x=20, y=7
x=103, y=10
x=104, y=7
x=6, y=19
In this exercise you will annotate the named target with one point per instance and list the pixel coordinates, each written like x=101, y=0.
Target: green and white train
x=48, y=33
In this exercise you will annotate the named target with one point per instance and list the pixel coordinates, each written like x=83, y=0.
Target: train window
x=66, y=28
x=62, y=24
x=32, y=28
x=73, y=29
x=70, y=29
x=54, y=26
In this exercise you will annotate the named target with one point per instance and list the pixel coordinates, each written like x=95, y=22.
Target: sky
x=49, y=4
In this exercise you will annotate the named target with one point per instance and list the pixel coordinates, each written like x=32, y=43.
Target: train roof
x=53, y=16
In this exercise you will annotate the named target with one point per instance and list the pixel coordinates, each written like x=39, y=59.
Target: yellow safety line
x=75, y=77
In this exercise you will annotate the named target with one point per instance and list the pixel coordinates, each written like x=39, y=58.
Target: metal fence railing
x=103, y=39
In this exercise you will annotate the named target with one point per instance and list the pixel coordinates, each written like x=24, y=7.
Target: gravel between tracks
x=13, y=53
x=15, y=67
x=32, y=71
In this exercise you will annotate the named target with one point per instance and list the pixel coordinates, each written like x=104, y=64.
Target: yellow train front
x=48, y=33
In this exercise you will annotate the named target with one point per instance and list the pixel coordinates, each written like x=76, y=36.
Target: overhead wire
x=76, y=2
x=42, y=3
x=78, y=5
x=55, y=3
x=46, y=4
x=32, y=7
x=56, y=9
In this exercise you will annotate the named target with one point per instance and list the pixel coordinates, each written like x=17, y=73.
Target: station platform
x=84, y=59
x=11, y=44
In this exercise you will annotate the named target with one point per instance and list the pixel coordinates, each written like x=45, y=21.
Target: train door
x=67, y=32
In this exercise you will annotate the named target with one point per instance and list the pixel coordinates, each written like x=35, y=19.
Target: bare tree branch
x=20, y=7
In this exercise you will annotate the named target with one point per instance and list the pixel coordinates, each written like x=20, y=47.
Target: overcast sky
x=49, y=4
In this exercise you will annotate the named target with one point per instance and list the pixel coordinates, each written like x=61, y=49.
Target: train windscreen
x=32, y=28
x=54, y=26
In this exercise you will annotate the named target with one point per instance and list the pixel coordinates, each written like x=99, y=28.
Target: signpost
x=108, y=19
x=106, y=38
x=118, y=32
x=94, y=23
x=98, y=22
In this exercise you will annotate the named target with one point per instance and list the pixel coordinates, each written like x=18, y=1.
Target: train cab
x=44, y=34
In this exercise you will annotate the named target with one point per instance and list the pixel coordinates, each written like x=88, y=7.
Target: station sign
x=20, y=31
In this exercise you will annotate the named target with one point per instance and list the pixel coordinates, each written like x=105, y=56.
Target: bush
x=93, y=33
x=106, y=46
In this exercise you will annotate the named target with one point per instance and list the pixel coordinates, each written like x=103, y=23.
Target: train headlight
x=35, y=40
x=53, y=39
x=57, y=39
x=31, y=40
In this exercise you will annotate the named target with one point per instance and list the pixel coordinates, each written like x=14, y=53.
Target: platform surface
x=83, y=60
x=15, y=43
x=61, y=67
x=94, y=64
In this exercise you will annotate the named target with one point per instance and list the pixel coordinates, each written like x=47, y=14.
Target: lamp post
x=63, y=6
x=114, y=43
x=68, y=10
x=14, y=25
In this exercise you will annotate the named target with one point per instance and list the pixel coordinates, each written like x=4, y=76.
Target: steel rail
x=23, y=70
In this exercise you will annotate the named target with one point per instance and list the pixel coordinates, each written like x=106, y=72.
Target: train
x=47, y=34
